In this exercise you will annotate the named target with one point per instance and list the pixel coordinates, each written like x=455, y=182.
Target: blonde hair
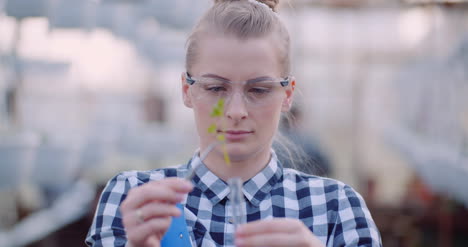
x=242, y=19
x=245, y=19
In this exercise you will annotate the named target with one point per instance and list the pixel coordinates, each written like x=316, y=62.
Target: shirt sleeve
x=107, y=228
x=354, y=226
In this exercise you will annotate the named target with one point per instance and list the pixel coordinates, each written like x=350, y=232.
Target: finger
x=269, y=240
x=170, y=190
x=277, y=240
x=177, y=184
x=140, y=234
x=154, y=210
x=276, y=225
x=152, y=242
x=149, y=211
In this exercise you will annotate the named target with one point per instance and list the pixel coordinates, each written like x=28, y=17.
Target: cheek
x=202, y=117
x=268, y=118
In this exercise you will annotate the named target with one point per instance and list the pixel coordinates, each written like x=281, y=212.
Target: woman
x=239, y=51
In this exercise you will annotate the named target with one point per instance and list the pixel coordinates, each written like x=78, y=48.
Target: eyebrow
x=258, y=79
x=215, y=77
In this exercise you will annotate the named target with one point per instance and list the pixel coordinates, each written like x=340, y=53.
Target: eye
x=259, y=90
x=215, y=89
x=211, y=85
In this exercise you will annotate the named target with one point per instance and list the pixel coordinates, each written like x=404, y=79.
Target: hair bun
x=270, y=3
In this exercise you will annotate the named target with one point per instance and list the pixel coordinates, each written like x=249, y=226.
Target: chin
x=240, y=152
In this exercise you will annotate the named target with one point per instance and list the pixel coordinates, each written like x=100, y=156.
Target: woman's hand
x=275, y=233
x=147, y=210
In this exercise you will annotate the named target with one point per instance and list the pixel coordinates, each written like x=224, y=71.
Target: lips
x=236, y=135
x=237, y=132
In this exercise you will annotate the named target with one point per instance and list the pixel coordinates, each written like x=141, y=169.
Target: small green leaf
x=218, y=109
x=216, y=112
x=221, y=104
x=212, y=128
x=221, y=138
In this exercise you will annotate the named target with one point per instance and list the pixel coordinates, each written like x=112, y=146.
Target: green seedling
x=218, y=112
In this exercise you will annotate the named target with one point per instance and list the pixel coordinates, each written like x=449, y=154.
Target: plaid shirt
x=333, y=211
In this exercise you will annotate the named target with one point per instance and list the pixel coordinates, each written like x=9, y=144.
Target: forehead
x=237, y=59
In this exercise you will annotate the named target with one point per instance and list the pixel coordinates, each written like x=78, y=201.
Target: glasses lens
x=263, y=93
x=210, y=90
x=256, y=94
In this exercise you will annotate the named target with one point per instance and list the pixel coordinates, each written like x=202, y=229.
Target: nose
x=236, y=108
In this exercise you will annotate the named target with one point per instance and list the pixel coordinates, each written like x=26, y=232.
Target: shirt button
x=181, y=235
x=231, y=220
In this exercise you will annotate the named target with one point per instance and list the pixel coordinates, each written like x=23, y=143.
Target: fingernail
x=187, y=185
x=179, y=212
x=239, y=241
x=180, y=197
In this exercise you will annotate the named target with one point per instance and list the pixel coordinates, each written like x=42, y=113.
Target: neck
x=245, y=167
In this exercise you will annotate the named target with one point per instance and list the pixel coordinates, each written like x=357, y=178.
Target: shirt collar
x=255, y=189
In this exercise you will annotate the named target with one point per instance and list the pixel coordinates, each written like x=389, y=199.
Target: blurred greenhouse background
x=92, y=87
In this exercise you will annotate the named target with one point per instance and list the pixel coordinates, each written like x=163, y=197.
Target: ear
x=185, y=91
x=287, y=102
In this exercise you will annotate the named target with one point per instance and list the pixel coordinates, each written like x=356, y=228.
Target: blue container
x=177, y=235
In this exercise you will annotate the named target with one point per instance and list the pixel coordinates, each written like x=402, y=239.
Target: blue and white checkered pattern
x=333, y=211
